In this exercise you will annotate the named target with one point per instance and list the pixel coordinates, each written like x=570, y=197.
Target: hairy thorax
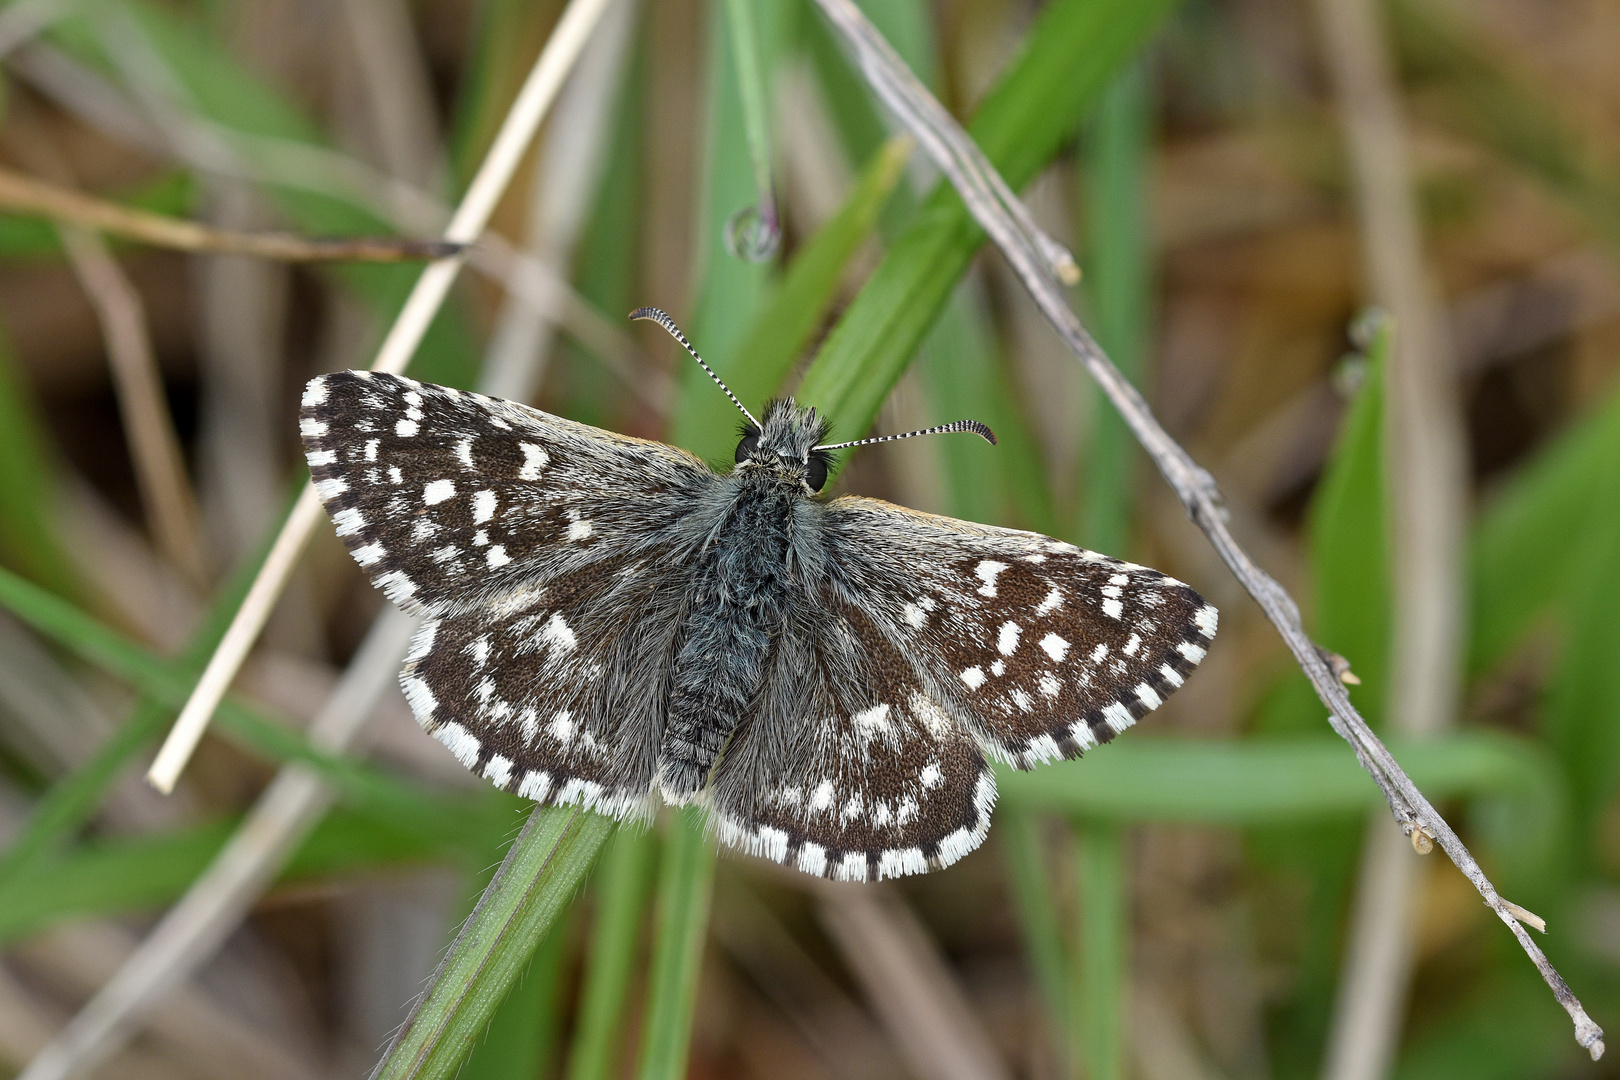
x=736, y=607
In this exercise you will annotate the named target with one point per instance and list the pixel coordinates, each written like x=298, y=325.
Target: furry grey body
x=606, y=619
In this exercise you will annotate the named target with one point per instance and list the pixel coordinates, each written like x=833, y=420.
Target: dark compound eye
x=749, y=444
x=815, y=473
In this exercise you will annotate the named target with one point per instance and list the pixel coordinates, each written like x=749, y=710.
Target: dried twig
x=1191, y=483
x=21, y=194
x=533, y=101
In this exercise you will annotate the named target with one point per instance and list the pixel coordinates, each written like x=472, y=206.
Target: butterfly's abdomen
x=735, y=611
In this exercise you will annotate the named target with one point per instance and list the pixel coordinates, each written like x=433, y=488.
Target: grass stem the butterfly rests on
x=1039, y=267
x=607, y=622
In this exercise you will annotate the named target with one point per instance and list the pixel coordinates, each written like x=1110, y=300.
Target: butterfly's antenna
x=663, y=319
x=981, y=430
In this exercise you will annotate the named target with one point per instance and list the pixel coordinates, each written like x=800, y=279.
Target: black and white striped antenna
x=663, y=319
x=981, y=430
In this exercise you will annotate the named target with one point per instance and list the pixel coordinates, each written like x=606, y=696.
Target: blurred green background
x=1175, y=907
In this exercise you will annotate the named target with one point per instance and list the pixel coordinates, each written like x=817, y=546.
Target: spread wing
x=549, y=559
x=1038, y=648
x=848, y=768
x=445, y=497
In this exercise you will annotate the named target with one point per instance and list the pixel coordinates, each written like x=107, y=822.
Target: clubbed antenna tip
x=981, y=430
x=662, y=319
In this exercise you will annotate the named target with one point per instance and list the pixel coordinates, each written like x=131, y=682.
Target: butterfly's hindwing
x=847, y=768
x=443, y=495
x=1040, y=648
x=556, y=692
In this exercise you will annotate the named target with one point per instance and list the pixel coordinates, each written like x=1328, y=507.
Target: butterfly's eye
x=746, y=448
x=815, y=473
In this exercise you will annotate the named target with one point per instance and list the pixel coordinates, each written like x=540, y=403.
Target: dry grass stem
x=1201, y=497
x=540, y=89
x=28, y=195
x=908, y=985
x=154, y=447
x=1424, y=451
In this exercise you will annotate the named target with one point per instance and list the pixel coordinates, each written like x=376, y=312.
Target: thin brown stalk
x=1197, y=491
x=908, y=984
x=22, y=194
x=1424, y=454
x=154, y=446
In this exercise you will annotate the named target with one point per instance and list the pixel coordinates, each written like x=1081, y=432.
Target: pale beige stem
x=908, y=985
x=154, y=447
x=29, y=195
x=1425, y=465
x=517, y=130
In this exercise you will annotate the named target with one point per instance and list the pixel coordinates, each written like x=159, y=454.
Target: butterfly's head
x=787, y=444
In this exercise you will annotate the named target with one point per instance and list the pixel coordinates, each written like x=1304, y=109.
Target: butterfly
x=606, y=621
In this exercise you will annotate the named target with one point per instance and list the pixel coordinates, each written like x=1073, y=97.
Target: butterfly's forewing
x=847, y=768
x=548, y=558
x=444, y=496
x=1039, y=648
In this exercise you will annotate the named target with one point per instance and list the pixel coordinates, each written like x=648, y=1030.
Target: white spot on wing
x=483, y=506
x=498, y=770
x=914, y=615
x=1055, y=647
x=314, y=392
x=348, y=521
x=1007, y=638
x=369, y=554
x=535, y=458
x=1113, y=609
x=438, y=491
x=1053, y=601
x=311, y=428
x=496, y=556
x=873, y=721
x=822, y=797
x=987, y=571
x=317, y=458
x=1148, y=696
x=536, y=785
x=579, y=530
x=1206, y=620
x=1192, y=652
x=461, y=742
x=974, y=677
x=559, y=633
x=407, y=428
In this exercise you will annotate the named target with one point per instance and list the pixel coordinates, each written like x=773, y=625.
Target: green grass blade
x=1522, y=559
x=126, y=874
x=966, y=378
x=70, y=801
x=790, y=314
x=28, y=541
x=752, y=96
x=1264, y=781
x=545, y=865
x=168, y=682
x=1044, y=946
x=1118, y=288
x=1104, y=932
x=685, y=884
x=1069, y=56
x=522, y=1036
x=621, y=901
